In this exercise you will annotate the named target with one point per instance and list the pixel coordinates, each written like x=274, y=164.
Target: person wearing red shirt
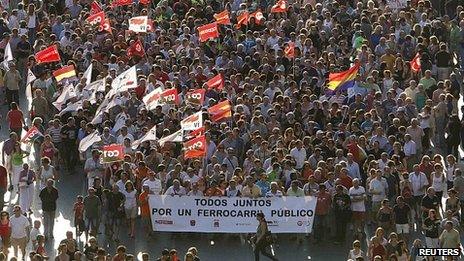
x=141, y=88
x=160, y=75
x=15, y=119
x=324, y=200
x=145, y=209
x=345, y=180
x=5, y=231
x=3, y=184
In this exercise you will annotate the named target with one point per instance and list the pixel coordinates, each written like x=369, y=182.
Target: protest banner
x=231, y=214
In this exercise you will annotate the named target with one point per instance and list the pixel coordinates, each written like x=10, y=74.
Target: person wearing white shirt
x=299, y=154
x=419, y=183
x=176, y=189
x=190, y=176
x=274, y=192
x=353, y=167
x=153, y=184
x=378, y=187
x=409, y=149
x=383, y=161
x=195, y=191
x=124, y=134
x=358, y=197
x=20, y=227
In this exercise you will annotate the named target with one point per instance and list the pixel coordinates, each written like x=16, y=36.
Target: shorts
x=358, y=216
x=19, y=242
x=131, y=213
x=431, y=242
x=402, y=228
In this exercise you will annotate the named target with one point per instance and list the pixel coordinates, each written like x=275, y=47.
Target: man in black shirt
x=115, y=211
x=402, y=217
x=342, y=209
x=444, y=61
x=69, y=138
x=23, y=50
x=49, y=196
x=429, y=201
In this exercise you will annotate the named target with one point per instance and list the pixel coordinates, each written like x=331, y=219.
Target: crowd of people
x=381, y=155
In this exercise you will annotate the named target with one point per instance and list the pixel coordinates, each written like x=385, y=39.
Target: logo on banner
x=193, y=222
x=113, y=153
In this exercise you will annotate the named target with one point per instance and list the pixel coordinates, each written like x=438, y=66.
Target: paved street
x=211, y=247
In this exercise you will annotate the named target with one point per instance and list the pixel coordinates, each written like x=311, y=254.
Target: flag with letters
x=112, y=153
x=195, y=148
x=192, y=122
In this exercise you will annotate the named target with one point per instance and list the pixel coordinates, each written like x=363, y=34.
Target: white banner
x=231, y=215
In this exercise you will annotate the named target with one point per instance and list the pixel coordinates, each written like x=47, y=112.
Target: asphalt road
x=211, y=247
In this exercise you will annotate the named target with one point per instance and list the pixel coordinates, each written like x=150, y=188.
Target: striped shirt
x=55, y=134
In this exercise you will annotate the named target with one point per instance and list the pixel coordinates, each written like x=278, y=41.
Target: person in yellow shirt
x=389, y=58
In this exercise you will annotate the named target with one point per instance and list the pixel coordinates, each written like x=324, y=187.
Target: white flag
x=30, y=79
x=90, y=91
x=71, y=107
x=125, y=81
x=7, y=57
x=88, y=75
x=138, y=24
x=88, y=141
x=151, y=100
x=192, y=122
x=67, y=93
x=150, y=135
x=120, y=121
x=175, y=137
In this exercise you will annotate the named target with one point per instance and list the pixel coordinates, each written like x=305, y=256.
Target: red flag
x=106, y=26
x=150, y=25
x=136, y=49
x=220, y=111
x=144, y=2
x=223, y=17
x=416, y=63
x=290, y=50
x=117, y=3
x=196, y=96
x=242, y=19
x=195, y=133
x=217, y=82
x=208, y=31
x=48, y=55
x=279, y=7
x=32, y=134
x=97, y=18
x=170, y=96
x=195, y=148
x=95, y=8
x=113, y=153
x=258, y=16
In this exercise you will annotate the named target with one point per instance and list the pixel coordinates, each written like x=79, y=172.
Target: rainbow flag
x=343, y=80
